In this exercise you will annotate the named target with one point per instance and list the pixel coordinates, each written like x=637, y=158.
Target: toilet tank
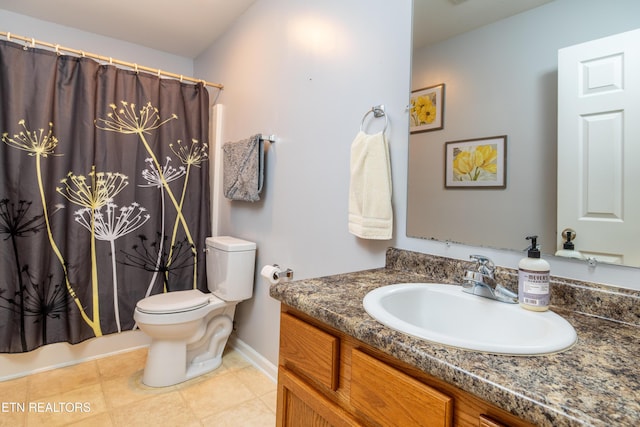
x=230, y=267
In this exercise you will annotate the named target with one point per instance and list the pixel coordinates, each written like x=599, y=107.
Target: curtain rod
x=57, y=48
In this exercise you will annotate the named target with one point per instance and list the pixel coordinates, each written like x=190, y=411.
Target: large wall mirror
x=500, y=79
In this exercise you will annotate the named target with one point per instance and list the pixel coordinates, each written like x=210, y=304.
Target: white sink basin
x=447, y=315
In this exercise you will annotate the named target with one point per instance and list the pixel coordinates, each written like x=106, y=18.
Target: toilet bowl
x=189, y=329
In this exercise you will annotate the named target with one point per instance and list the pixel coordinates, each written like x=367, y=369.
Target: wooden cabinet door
x=392, y=398
x=299, y=405
x=328, y=379
x=309, y=351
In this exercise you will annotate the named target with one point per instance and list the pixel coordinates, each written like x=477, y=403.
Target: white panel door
x=599, y=147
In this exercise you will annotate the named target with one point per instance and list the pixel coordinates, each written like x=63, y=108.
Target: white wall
x=308, y=72
x=70, y=37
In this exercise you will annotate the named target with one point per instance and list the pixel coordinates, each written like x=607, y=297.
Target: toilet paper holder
x=274, y=274
x=279, y=274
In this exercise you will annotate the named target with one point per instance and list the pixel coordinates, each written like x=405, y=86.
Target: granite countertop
x=595, y=382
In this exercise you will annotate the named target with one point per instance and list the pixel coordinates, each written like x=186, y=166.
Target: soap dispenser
x=568, y=248
x=533, y=279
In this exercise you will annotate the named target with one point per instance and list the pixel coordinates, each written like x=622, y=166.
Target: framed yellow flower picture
x=427, y=109
x=476, y=163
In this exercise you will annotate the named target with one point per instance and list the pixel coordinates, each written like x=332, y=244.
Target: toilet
x=189, y=329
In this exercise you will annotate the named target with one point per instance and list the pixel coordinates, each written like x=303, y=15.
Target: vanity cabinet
x=327, y=378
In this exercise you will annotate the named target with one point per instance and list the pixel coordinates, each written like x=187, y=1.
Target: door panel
x=599, y=147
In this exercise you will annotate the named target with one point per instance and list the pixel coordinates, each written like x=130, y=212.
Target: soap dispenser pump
x=568, y=248
x=533, y=279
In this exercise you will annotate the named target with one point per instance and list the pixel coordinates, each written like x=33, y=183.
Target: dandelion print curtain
x=104, y=194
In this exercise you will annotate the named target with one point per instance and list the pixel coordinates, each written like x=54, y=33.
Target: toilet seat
x=174, y=302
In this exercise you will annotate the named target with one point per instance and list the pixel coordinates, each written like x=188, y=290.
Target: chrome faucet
x=482, y=282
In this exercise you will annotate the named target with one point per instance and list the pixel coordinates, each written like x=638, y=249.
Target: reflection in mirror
x=501, y=79
x=597, y=183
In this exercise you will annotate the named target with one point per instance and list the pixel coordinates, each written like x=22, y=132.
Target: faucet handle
x=484, y=265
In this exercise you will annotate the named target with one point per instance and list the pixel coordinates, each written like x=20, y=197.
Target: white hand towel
x=370, y=210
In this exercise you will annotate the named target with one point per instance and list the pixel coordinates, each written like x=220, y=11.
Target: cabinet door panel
x=310, y=351
x=392, y=398
x=299, y=405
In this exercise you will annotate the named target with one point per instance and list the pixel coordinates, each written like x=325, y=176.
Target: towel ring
x=378, y=111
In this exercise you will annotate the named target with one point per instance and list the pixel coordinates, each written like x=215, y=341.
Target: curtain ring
x=181, y=77
x=159, y=72
x=82, y=53
x=33, y=42
x=110, y=61
x=9, y=36
x=58, y=49
x=135, y=67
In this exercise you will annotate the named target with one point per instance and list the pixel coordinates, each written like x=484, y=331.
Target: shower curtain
x=104, y=195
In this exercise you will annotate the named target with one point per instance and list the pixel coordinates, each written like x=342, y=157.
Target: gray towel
x=243, y=169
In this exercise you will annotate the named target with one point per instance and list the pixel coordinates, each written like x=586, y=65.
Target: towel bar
x=270, y=138
x=378, y=111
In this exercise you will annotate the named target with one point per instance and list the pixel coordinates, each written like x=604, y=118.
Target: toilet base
x=166, y=362
x=200, y=368
x=171, y=362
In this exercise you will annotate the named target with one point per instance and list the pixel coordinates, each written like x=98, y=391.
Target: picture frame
x=476, y=163
x=426, y=109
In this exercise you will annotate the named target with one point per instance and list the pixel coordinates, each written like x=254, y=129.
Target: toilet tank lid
x=230, y=244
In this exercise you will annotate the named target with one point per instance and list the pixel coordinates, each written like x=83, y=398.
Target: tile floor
x=109, y=392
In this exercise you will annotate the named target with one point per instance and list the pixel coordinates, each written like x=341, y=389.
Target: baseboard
x=256, y=359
